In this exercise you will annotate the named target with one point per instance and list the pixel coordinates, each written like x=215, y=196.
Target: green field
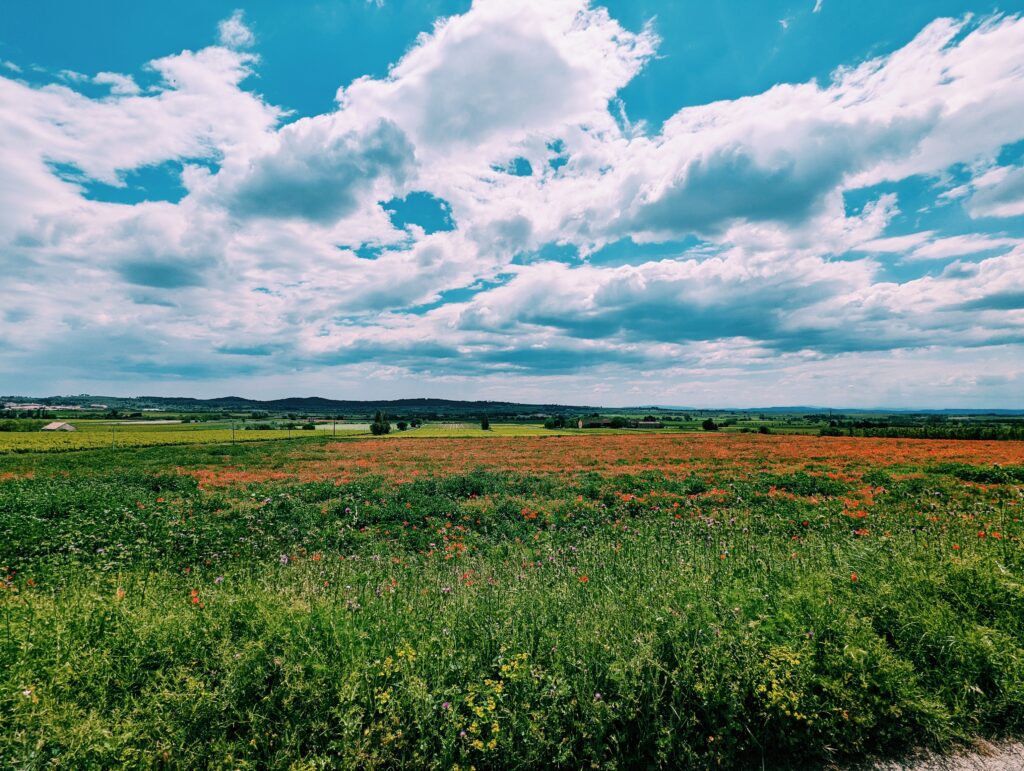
x=96, y=434
x=59, y=441
x=508, y=601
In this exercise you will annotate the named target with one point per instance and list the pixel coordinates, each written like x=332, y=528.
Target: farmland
x=515, y=598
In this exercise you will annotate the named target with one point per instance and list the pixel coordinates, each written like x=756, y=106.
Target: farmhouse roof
x=58, y=426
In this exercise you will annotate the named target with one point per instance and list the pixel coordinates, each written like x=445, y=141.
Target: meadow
x=440, y=600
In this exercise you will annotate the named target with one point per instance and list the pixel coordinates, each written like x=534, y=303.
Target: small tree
x=709, y=425
x=380, y=424
x=485, y=423
x=402, y=425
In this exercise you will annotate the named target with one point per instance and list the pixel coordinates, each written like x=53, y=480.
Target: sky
x=718, y=203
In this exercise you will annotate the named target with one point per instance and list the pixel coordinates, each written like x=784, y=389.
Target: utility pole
x=112, y=435
x=334, y=428
x=232, y=433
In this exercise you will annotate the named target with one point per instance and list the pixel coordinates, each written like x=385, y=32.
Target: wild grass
x=503, y=619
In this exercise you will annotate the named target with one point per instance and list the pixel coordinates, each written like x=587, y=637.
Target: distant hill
x=455, y=408
x=310, y=405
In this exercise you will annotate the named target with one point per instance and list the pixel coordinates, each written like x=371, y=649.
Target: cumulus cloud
x=319, y=174
x=998, y=193
x=777, y=156
x=120, y=85
x=234, y=32
x=282, y=252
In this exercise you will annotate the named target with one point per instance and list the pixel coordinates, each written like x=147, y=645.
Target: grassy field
x=60, y=441
x=509, y=601
x=96, y=434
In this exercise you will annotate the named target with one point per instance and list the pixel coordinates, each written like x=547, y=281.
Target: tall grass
x=506, y=620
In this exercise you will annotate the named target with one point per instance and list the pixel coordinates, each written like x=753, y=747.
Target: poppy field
x=601, y=601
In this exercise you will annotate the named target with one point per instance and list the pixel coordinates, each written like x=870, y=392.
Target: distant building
x=649, y=424
x=58, y=426
x=594, y=423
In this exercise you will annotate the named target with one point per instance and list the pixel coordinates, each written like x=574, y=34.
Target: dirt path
x=983, y=757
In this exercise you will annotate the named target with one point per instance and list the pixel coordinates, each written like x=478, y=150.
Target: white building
x=58, y=426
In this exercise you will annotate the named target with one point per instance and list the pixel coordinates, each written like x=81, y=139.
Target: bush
x=402, y=425
x=709, y=425
x=485, y=423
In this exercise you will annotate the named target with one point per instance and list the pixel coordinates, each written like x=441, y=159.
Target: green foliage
x=21, y=425
x=380, y=425
x=485, y=423
x=709, y=425
x=982, y=474
x=708, y=619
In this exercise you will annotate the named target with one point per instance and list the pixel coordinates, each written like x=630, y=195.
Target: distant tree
x=650, y=418
x=620, y=422
x=401, y=425
x=485, y=423
x=380, y=424
x=764, y=430
x=709, y=425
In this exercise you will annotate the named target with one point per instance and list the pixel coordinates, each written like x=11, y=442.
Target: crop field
x=502, y=600
x=99, y=436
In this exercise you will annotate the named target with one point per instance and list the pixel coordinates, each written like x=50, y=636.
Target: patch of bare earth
x=983, y=756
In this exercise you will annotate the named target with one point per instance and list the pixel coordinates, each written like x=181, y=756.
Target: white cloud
x=120, y=85
x=894, y=244
x=958, y=246
x=998, y=193
x=234, y=33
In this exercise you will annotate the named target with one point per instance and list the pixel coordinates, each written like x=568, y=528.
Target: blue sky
x=741, y=203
